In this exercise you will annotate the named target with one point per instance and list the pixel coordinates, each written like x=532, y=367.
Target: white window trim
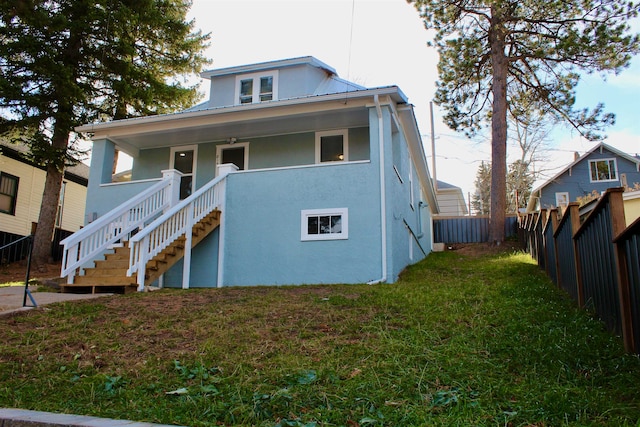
x=172, y=159
x=345, y=143
x=411, y=193
x=615, y=165
x=221, y=147
x=256, y=86
x=306, y=213
x=558, y=195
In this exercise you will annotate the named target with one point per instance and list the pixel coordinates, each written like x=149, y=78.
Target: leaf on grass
x=354, y=373
x=178, y=392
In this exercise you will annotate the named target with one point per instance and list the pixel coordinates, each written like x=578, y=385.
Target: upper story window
x=8, y=193
x=255, y=88
x=603, y=170
x=332, y=146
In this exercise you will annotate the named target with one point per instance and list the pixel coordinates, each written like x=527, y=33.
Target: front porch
x=133, y=245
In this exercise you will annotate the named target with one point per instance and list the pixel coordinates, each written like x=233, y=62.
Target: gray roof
x=80, y=170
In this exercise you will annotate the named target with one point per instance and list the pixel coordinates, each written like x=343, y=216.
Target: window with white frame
x=603, y=170
x=562, y=199
x=332, y=146
x=185, y=159
x=256, y=88
x=324, y=224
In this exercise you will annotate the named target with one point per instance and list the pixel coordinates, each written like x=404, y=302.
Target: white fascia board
x=414, y=141
x=190, y=118
x=269, y=65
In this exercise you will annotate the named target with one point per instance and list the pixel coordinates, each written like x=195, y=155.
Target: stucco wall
x=263, y=235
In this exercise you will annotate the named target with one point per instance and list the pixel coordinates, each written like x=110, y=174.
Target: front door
x=238, y=154
x=184, y=160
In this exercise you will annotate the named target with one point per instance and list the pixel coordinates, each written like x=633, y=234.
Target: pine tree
x=493, y=53
x=64, y=63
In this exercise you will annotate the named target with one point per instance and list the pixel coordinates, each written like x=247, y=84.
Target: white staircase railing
x=93, y=240
x=177, y=221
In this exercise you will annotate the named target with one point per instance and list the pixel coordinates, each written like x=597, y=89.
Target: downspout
x=383, y=197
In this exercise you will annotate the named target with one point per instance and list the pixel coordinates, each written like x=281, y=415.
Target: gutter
x=392, y=91
x=383, y=198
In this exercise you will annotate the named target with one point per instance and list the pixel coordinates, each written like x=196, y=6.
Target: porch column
x=102, y=154
x=173, y=192
x=223, y=170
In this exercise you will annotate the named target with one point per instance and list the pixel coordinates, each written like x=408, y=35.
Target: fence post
x=618, y=224
x=555, y=222
x=573, y=210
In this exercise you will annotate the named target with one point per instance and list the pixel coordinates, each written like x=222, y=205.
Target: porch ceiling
x=216, y=128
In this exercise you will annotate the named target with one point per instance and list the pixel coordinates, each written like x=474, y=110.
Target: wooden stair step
x=76, y=288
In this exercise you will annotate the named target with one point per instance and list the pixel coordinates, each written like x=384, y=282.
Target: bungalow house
x=21, y=186
x=600, y=168
x=287, y=174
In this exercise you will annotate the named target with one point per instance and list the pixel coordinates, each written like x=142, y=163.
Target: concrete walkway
x=24, y=418
x=11, y=298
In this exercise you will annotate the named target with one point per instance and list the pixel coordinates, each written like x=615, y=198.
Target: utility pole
x=433, y=148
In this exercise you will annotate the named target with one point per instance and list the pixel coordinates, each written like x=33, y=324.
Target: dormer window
x=255, y=88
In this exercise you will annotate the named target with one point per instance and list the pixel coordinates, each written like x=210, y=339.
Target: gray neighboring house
x=450, y=200
x=598, y=169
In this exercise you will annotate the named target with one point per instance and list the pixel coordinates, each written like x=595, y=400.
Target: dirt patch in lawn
x=482, y=249
x=16, y=272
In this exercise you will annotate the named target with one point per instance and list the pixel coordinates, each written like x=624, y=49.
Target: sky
x=384, y=42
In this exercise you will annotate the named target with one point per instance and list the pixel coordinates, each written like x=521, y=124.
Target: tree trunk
x=47, y=217
x=50, y=196
x=498, y=128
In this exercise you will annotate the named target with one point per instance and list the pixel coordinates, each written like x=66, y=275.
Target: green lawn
x=460, y=340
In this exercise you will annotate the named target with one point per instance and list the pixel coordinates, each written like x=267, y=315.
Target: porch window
x=255, y=88
x=603, y=170
x=8, y=193
x=324, y=224
x=332, y=146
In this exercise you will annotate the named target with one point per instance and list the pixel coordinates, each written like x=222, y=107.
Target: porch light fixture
x=232, y=140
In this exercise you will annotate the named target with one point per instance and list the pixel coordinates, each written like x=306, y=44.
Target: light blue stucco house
x=599, y=168
x=310, y=179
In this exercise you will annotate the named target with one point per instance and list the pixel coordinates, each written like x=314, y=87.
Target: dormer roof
x=269, y=65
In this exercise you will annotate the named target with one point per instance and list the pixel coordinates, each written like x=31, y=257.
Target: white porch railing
x=177, y=221
x=93, y=240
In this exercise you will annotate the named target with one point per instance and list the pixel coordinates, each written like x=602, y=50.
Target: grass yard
x=462, y=339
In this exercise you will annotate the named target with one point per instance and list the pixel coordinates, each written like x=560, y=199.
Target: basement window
x=324, y=224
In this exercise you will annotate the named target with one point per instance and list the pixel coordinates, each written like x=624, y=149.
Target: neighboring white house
x=21, y=187
x=315, y=180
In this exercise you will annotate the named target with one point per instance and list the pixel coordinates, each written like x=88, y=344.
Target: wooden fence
x=468, y=229
x=595, y=260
